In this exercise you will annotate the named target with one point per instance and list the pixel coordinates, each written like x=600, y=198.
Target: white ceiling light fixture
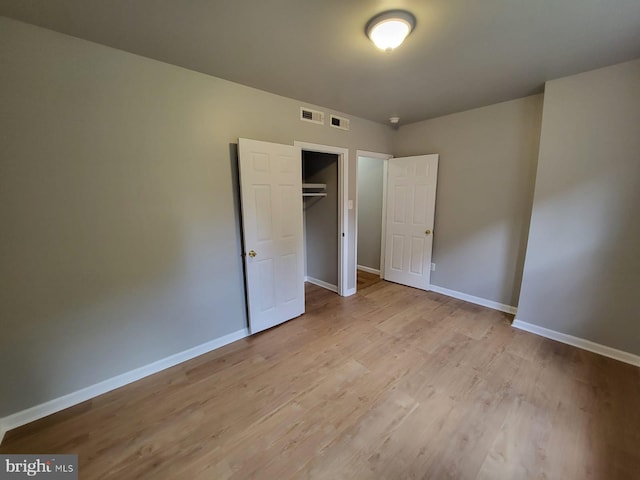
x=387, y=30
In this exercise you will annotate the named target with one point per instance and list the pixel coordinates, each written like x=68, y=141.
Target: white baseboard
x=368, y=269
x=320, y=283
x=610, y=352
x=349, y=292
x=52, y=406
x=477, y=300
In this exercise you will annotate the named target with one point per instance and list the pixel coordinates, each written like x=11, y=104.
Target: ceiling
x=462, y=54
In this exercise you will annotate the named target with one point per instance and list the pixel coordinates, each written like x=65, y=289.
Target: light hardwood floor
x=392, y=383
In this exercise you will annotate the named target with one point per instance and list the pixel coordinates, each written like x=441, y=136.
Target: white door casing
x=271, y=198
x=411, y=197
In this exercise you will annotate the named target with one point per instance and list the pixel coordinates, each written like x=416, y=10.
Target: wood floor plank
x=391, y=383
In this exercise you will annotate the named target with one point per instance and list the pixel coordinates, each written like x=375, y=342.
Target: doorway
x=395, y=216
x=320, y=218
x=371, y=176
x=271, y=194
x=342, y=231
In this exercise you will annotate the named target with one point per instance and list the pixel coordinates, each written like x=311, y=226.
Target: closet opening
x=325, y=217
x=320, y=219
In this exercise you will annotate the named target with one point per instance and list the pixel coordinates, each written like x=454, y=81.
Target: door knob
x=252, y=253
x=427, y=232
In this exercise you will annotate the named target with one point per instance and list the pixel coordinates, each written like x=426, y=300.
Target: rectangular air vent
x=313, y=116
x=339, y=122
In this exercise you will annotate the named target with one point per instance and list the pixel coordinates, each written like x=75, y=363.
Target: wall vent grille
x=339, y=122
x=313, y=116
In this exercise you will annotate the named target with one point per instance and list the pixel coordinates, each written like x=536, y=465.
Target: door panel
x=417, y=255
x=397, y=251
x=271, y=194
x=411, y=196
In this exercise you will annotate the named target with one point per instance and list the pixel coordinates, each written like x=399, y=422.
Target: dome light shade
x=389, y=29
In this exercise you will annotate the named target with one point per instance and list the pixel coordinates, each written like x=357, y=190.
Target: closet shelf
x=313, y=194
x=314, y=186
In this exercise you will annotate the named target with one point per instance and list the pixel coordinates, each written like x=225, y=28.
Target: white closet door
x=411, y=201
x=271, y=194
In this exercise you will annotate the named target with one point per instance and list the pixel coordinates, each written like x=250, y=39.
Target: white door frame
x=343, y=205
x=385, y=159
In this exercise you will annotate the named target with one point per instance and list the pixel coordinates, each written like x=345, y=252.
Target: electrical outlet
x=433, y=267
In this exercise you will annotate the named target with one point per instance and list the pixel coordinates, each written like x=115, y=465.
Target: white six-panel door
x=411, y=199
x=271, y=195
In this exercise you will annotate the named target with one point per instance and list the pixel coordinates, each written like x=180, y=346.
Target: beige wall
x=582, y=269
x=120, y=241
x=485, y=187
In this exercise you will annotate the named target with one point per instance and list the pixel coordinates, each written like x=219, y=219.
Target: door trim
x=383, y=231
x=343, y=212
